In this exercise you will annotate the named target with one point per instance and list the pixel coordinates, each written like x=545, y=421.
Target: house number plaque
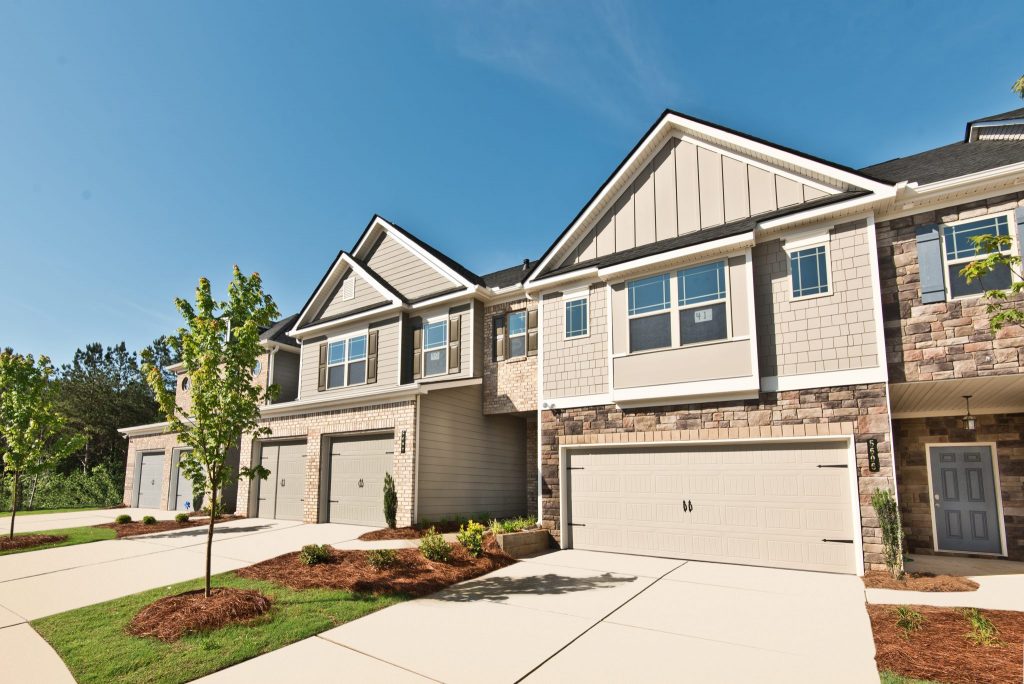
x=873, y=464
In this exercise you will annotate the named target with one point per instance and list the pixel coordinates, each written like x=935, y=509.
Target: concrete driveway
x=584, y=616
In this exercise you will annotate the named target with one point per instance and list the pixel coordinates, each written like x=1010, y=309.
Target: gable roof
x=278, y=331
x=378, y=220
x=507, y=277
x=341, y=265
x=950, y=161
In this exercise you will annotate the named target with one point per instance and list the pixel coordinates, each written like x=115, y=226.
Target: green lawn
x=93, y=643
x=7, y=514
x=887, y=677
x=75, y=535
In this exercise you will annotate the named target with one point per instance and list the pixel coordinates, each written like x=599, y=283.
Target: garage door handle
x=837, y=465
x=333, y=501
x=838, y=541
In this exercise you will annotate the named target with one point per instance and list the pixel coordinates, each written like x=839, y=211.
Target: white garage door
x=151, y=480
x=358, y=465
x=281, y=494
x=777, y=505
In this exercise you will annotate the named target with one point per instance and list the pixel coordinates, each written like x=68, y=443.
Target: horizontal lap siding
x=364, y=295
x=387, y=361
x=469, y=463
x=406, y=272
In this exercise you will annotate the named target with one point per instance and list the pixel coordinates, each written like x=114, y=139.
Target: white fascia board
x=687, y=392
x=175, y=367
x=542, y=284
x=336, y=271
x=1003, y=173
x=411, y=245
x=277, y=346
x=859, y=376
x=443, y=299
x=864, y=203
x=735, y=243
x=321, y=403
x=374, y=283
x=140, y=430
x=328, y=325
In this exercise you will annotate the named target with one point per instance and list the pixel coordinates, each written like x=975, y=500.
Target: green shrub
x=123, y=519
x=390, y=501
x=908, y=619
x=148, y=520
x=434, y=547
x=381, y=559
x=471, y=536
x=513, y=525
x=888, y=513
x=99, y=487
x=314, y=554
x=205, y=510
x=181, y=517
x=983, y=632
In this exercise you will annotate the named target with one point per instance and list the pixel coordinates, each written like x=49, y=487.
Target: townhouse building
x=722, y=357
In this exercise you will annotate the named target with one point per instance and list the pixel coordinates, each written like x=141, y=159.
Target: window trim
x=346, y=338
x=581, y=295
x=1011, y=224
x=827, y=244
x=509, y=336
x=441, y=318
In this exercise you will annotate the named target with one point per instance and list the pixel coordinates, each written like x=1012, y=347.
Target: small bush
x=908, y=619
x=434, y=547
x=205, y=510
x=513, y=525
x=123, y=519
x=390, y=501
x=471, y=535
x=315, y=554
x=888, y=513
x=983, y=632
x=148, y=520
x=181, y=517
x=381, y=559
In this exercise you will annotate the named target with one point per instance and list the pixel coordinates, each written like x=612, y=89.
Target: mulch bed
x=413, y=532
x=919, y=581
x=411, y=575
x=940, y=649
x=170, y=618
x=25, y=541
x=137, y=527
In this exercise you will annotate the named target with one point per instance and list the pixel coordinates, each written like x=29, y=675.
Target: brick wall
x=510, y=386
x=913, y=434
x=820, y=334
x=857, y=410
x=577, y=366
x=397, y=416
x=164, y=442
x=947, y=339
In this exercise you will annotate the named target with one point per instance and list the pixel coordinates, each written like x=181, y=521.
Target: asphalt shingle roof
x=507, y=277
x=1012, y=114
x=277, y=332
x=949, y=161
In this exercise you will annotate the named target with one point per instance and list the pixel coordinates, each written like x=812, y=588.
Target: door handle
x=282, y=482
x=360, y=483
x=690, y=505
x=152, y=482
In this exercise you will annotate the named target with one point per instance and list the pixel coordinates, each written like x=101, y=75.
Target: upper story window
x=702, y=302
x=346, y=362
x=435, y=347
x=701, y=307
x=185, y=383
x=516, y=334
x=959, y=250
x=577, y=314
x=257, y=369
x=650, y=325
x=808, y=270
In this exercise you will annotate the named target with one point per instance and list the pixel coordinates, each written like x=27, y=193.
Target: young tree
x=33, y=432
x=218, y=347
x=996, y=249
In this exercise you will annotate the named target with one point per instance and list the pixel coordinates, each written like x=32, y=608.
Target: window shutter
x=531, y=332
x=929, y=260
x=417, y=347
x=371, y=357
x=1020, y=230
x=321, y=384
x=454, y=342
x=499, y=338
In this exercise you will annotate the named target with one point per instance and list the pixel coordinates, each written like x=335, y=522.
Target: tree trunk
x=14, y=501
x=209, y=536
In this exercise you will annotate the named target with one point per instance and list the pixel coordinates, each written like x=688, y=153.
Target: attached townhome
x=726, y=353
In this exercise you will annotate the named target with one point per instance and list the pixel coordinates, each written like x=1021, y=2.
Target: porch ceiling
x=994, y=394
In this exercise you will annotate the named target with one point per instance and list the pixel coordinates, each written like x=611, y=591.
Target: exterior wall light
x=969, y=422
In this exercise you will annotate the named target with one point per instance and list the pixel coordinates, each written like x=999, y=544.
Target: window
x=577, y=318
x=808, y=270
x=346, y=362
x=185, y=384
x=960, y=250
x=257, y=369
x=649, y=329
x=435, y=348
x=517, y=334
x=702, y=312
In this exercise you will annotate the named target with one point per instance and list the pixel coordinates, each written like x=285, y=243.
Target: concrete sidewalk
x=55, y=521
x=1001, y=584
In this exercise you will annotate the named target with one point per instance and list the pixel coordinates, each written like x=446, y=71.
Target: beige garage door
x=777, y=505
x=358, y=465
x=281, y=495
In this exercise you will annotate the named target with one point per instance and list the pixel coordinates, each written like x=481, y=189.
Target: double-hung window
x=960, y=250
x=650, y=322
x=346, y=362
x=516, y=334
x=702, y=303
x=808, y=270
x=435, y=347
x=577, y=315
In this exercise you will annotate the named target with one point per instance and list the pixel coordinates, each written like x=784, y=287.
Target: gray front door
x=358, y=466
x=964, y=499
x=150, y=480
x=281, y=494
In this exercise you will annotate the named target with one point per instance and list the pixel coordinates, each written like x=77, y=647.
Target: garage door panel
x=758, y=505
x=151, y=480
x=358, y=466
x=281, y=494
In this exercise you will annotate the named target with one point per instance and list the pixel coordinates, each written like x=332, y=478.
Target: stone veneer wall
x=913, y=434
x=510, y=386
x=531, y=465
x=397, y=416
x=857, y=410
x=147, y=443
x=948, y=339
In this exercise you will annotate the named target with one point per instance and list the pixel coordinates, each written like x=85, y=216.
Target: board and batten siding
x=406, y=272
x=469, y=463
x=687, y=187
x=364, y=295
x=388, y=350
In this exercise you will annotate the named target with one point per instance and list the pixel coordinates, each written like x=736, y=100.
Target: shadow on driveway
x=503, y=587
x=200, y=531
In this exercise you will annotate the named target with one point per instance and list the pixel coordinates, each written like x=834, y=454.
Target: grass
x=40, y=511
x=75, y=535
x=887, y=677
x=93, y=643
x=510, y=525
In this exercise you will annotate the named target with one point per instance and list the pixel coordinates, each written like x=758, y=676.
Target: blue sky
x=143, y=145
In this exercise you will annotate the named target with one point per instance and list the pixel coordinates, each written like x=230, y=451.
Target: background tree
x=33, y=431
x=218, y=346
x=1003, y=306
x=163, y=354
x=1018, y=87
